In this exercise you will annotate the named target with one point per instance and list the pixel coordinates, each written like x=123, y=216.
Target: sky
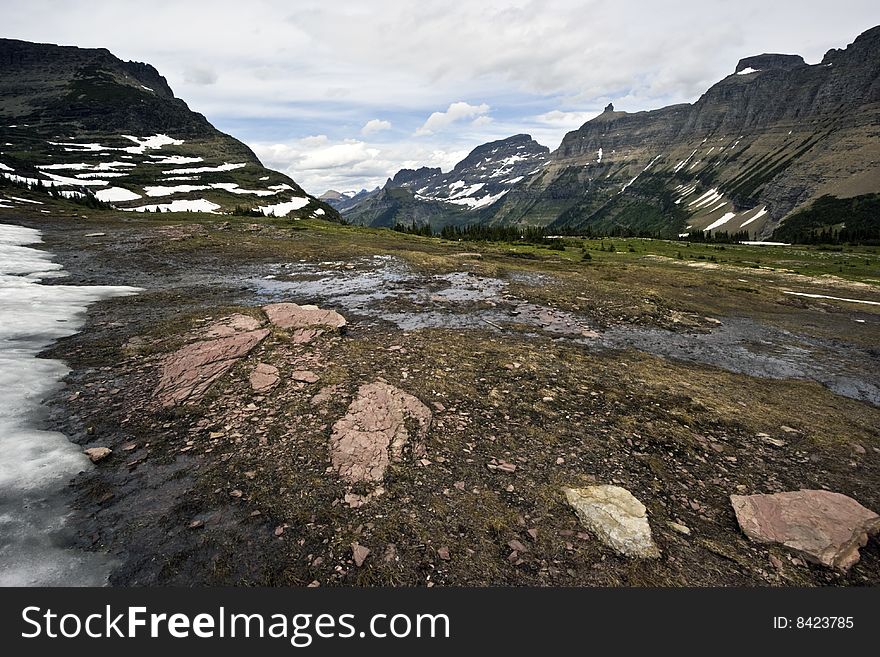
x=341, y=94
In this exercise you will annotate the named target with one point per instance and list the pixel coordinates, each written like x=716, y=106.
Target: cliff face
x=87, y=122
x=764, y=141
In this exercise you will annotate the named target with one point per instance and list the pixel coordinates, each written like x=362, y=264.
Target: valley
x=682, y=380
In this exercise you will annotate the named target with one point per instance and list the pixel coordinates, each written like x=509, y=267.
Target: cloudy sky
x=343, y=93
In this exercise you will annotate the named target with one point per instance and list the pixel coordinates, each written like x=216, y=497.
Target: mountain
x=759, y=146
x=344, y=200
x=87, y=123
x=428, y=195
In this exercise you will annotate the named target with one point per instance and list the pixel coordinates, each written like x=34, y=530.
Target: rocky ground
x=460, y=416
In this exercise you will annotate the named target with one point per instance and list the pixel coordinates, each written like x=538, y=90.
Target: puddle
x=744, y=346
x=385, y=288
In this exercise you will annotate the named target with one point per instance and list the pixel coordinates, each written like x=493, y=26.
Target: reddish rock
x=305, y=376
x=264, y=377
x=231, y=325
x=294, y=316
x=96, y=454
x=189, y=372
x=325, y=394
x=373, y=432
x=825, y=527
x=359, y=553
x=443, y=553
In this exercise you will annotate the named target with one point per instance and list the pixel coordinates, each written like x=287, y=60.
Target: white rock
x=616, y=517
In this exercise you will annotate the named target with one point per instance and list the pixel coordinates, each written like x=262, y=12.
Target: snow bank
x=36, y=465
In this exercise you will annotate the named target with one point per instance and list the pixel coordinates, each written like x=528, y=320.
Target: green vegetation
x=832, y=220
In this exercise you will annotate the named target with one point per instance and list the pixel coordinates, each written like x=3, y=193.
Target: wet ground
x=386, y=288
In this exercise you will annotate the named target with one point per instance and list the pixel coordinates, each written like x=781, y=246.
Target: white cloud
x=456, y=112
x=375, y=125
x=200, y=75
x=318, y=163
x=567, y=120
x=275, y=71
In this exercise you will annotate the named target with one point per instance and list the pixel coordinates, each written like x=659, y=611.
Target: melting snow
x=197, y=205
x=760, y=213
x=282, y=209
x=473, y=203
x=144, y=143
x=175, y=159
x=746, y=71
x=35, y=465
x=80, y=147
x=116, y=194
x=62, y=180
x=222, y=167
x=720, y=222
x=825, y=296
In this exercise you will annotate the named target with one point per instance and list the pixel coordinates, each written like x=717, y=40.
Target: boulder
x=264, y=377
x=824, y=527
x=96, y=454
x=616, y=517
x=373, y=432
x=294, y=316
x=189, y=372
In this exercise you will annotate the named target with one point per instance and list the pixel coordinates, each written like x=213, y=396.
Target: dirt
x=540, y=374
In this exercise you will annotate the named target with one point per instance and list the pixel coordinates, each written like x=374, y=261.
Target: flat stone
x=96, y=454
x=678, y=527
x=264, y=377
x=189, y=372
x=616, y=517
x=824, y=527
x=359, y=553
x=373, y=432
x=231, y=325
x=305, y=376
x=294, y=316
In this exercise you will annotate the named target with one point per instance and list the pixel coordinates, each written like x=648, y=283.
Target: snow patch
x=720, y=222
x=760, y=213
x=197, y=205
x=282, y=209
x=115, y=194
x=222, y=167
x=825, y=296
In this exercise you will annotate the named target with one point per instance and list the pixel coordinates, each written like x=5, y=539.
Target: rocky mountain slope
x=85, y=123
x=345, y=200
x=761, y=144
x=428, y=195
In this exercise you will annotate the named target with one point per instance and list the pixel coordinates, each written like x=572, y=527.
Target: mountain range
x=86, y=124
x=764, y=143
